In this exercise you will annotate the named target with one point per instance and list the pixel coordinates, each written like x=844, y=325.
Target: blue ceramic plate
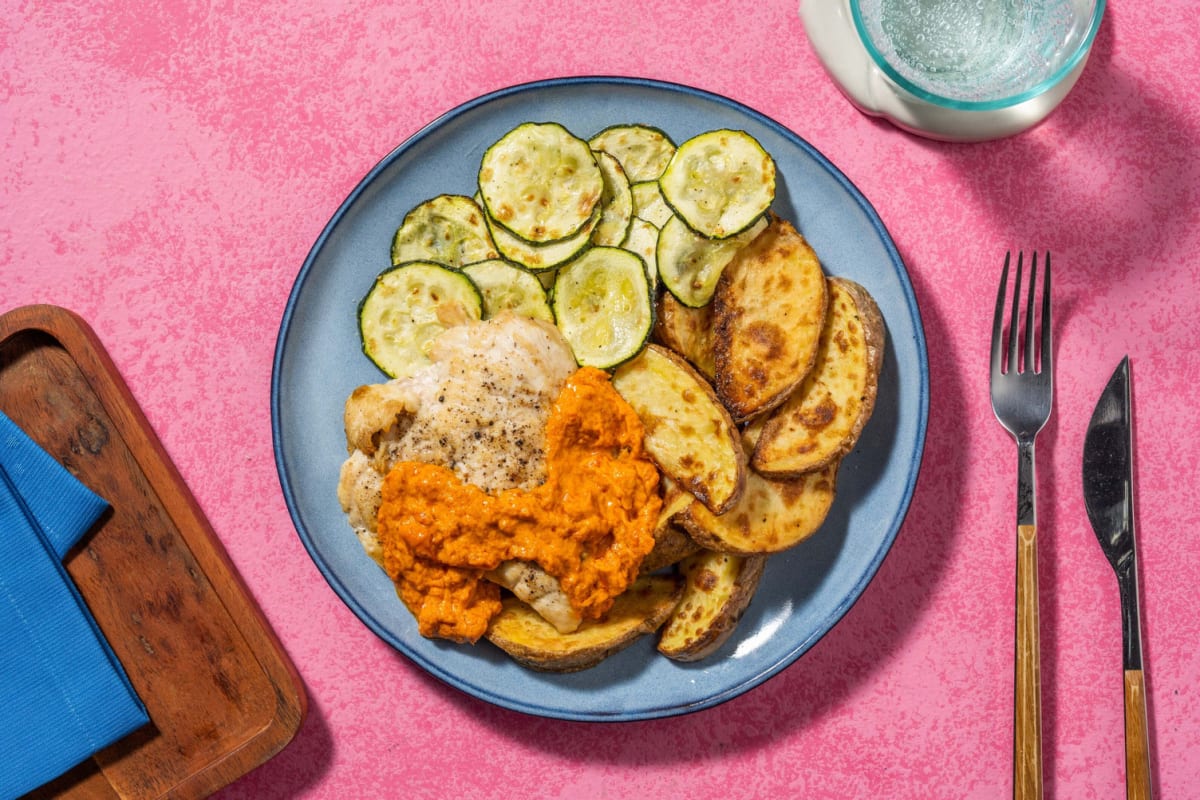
x=804, y=592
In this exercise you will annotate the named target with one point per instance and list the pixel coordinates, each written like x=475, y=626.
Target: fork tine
x=1030, y=364
x=1014, y=326
x=1047, y=356
x=998, y=320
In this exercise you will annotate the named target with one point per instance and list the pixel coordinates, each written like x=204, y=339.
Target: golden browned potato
x=689, y=434
x=768, y=312
x=532, y=641
x=687, y=331
x=770, y=516
x=717, y=589
x=822, y=420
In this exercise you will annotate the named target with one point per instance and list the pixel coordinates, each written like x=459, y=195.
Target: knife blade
x=1108, y=496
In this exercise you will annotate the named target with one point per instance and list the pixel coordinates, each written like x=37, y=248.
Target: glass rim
x=1081, y=51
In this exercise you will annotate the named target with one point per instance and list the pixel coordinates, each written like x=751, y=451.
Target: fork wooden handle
x=1137, y=737
x=1027, y=738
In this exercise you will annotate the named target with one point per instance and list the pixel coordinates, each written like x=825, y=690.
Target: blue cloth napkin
x=63, y=693
x=61, y=506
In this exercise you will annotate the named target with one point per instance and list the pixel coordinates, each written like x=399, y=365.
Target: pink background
x=168, y=165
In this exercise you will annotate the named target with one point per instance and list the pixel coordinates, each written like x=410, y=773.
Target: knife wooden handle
x=1027, y=738
x=1137, y=737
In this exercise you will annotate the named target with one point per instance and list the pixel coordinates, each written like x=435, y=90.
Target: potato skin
x=822, y=420
x=672, y=544
x=768, y=312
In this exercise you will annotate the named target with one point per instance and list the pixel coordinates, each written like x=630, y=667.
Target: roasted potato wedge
x=822, y=420
x=532, y=641
x=717, y=589
x=768, y=312
x=689, y=434
x=687, y=331
x=770, y=516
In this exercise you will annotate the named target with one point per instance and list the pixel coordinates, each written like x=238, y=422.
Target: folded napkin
x=63, y=694
x=61, y=506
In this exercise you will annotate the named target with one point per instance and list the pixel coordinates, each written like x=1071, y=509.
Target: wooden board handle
x=1137, y=737
x=1027, y=738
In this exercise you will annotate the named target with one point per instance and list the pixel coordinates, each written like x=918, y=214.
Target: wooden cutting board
x=222, y=695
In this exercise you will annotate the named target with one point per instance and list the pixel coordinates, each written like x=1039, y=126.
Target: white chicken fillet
x=480, y=409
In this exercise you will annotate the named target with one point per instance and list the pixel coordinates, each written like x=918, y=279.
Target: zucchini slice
x=648, y=203
x=643, y=150
x=616, y=203
x=642, y=241
x=604, y=306
x=406, y=309
x=508, y=287
x=541, y=257
x=540, y=182
x=719, y=182
x=690, y=264
x=449, y=229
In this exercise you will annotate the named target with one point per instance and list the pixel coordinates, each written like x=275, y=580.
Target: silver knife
x=1108, y=495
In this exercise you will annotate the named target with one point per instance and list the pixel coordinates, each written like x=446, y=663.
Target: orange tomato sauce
x=589, y=525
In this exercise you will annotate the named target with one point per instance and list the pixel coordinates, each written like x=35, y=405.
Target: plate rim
x=831, y=619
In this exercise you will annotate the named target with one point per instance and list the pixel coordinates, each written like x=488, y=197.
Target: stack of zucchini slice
x=579, y=233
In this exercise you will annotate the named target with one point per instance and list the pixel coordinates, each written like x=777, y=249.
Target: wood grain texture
x=1027, y=737
x=1137, y=737
x=222, y=695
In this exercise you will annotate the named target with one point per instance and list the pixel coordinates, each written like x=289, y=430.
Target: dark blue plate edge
x=648, y=713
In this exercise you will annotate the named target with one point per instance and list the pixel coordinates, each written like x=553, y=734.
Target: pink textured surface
x=168, y=165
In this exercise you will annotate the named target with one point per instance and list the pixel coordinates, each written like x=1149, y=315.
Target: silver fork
x=1022, y=387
